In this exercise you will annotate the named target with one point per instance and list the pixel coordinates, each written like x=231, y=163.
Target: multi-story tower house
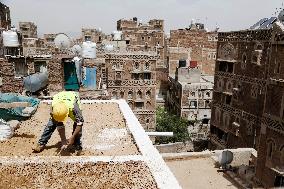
x=28, y=29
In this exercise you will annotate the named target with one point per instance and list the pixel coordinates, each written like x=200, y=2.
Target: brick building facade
x=5, y=20
x=127, y=75
x=28, y=29
x=190, y=94
x=148, y=37
x=270, y=162
x=132, y=76
x=239, y=88
x=94, y=35
x=247, y=108
x=193, y=44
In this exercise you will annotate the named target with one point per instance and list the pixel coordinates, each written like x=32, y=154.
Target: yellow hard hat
x=60, y=112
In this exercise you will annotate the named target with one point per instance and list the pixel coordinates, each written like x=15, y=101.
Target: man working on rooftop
x=64, y=104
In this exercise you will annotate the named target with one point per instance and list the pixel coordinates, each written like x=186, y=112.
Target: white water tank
x=117, y=35
x=109, y=48
x=10, y=39
x=89, y=49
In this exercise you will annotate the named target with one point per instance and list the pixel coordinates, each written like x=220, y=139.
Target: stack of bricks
x=55, y=75
x=9, y=82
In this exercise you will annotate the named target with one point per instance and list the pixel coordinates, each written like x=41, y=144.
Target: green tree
x=168, y=122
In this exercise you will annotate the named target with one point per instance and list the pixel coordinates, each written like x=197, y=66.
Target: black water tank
x=182, y=63
x=135, y=19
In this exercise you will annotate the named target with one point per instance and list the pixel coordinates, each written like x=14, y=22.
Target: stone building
x=239, y=89
x=13, y=70
x=126, y=75
x=5, y=20
x=144, y=37
x=124, y=24
x=247, y=107
x=35, y=47
x=195, y=45
x=94, y=35
x=189, y=96
x=49, y=39
x=28, y=29
x=270, y=162
x=132, y=76
x=148, y=37
x=26, y=59
x=5, y=24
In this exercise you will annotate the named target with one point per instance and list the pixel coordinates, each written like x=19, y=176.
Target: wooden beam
x=14, y=105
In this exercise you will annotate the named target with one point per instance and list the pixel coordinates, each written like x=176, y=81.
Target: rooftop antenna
x=217, y=27
x=62, y=41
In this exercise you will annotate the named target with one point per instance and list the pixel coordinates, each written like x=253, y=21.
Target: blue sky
x=70, y=16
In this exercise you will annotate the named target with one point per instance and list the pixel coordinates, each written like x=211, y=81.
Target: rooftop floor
x=117, y=153
x=104, y=133
x=198, y=173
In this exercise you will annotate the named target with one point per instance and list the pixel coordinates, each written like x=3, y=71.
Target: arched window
x=139, y=95
x=130, y=104
x=220, y=84
x=244, y=61
x=147, y=121
x=226, y=120
x=130, y=95
x=218, y=115
x=270, y=148
x=207, y=94
x=147, y=66
x=136, y=65
x=148, y=94
x=148, y=105
x=114, y=95
x=121, y=94
x=229, y=86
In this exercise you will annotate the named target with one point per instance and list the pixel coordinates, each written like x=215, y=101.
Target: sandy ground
x=130, y=175
x=104, y=133
x=198, y=173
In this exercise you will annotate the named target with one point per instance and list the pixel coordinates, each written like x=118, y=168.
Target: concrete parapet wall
x=242, y=156
x=175, y=147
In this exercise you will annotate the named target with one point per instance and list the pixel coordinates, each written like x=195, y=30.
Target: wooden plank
x=14, y=105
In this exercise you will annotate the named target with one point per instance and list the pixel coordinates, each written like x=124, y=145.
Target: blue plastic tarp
x=15, y=113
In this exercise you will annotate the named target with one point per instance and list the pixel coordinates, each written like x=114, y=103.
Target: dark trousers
x=50, y=128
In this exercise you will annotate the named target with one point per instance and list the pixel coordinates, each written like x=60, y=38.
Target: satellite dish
x=62, y=41
x=99, y=29
x=76, y=49
x=225, y=158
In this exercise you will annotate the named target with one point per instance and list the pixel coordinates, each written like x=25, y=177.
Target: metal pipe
x=170, y=134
